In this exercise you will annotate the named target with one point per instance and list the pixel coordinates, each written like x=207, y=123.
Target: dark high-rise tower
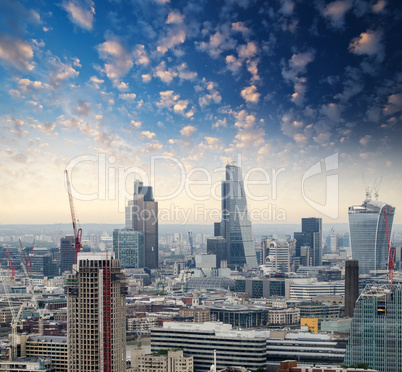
x=236, y=225
x=145, y=218
x=311, y=235
x=351, y=286
x=67, y=253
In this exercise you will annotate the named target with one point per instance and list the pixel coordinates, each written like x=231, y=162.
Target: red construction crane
x=11, y=264
x=77, y=232
x=391, y=252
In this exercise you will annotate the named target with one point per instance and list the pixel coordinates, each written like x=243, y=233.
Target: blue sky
x=278, y=84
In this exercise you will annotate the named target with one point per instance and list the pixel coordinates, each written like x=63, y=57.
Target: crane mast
x=12, y=268
x=77, y=232
x=391, y=253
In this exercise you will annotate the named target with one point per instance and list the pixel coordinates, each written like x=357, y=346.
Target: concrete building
x=309, y=289
x=53, y=347
x=240, y=315
x=368, y=234
x=96, y=303
x=145, y=219
x=172, y=361
x=141, y=325
x=275, y=255
x=129, y=248
x=376, y=333
x=262, y=288
x=67, y=253
x=280, y=318
x=199, y=315
x=218, y=247
x=27, y=365
x=351, y=286
x=235, y=224
x=245, y=348
x=291, y=366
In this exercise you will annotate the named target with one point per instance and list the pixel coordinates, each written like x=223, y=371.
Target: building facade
x=275, y=254
x=67, y=253
x=235, y=224
x=376, y=333
x=218, y=246
x=129, y=248
x=368, y=234
x=351, y=286
x=232, y=347
x=96, y=318
x=145, y=218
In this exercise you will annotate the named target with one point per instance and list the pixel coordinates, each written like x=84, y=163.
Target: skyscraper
x=67, y=253
x=368, y=235
x=144, y=216
x=128, y=245
x=96, y=316
x=311, y=235
x=236, y=225
x=351, y=286
x=375, y=335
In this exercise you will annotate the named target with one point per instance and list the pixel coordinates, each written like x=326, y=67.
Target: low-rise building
x=141, y=325
x=279, y=318
x=199, y=315
x=171, y=361
x=27, y=365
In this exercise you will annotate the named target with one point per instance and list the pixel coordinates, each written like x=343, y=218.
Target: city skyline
x=109, y=89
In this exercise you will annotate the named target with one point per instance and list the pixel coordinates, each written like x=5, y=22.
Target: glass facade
x=236, y=225
x=376, y=333
x=368, y=235
x=128, y=245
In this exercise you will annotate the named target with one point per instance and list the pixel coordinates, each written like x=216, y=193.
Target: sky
x=304, y=96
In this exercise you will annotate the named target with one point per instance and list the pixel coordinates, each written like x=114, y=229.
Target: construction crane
x=376, y=187
x=391, y=252
x=16, y=316
x=24, y=260
x=77, y=232
x=30, y=257
x=12, y=268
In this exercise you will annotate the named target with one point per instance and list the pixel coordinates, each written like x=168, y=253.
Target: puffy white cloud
x=175, y=17
x=394, y=104
x=221, y=123
x=83, y=108
x=184, y=73
x=59, y=71
x=147, y=134
x=154, y=146
x=333, y=111
x=233, y=64
x=336, y=11
x=379, y=6
x=140, y=55
x=248, y=50
x=265, y=150
x=218, y=42
x=128, y=96
x=172, y=101
x=47, y=127
x=16, y=52
x=166, y=75
x=136, y=124
x=174, y=37
x=287, y=7
x=118, y=59
x=368, y=43
x=250, y=94
x=80, y=13
x=365, y=140
x=146, y=78
x=188, y=131
x=241, y=27
x=96, y=81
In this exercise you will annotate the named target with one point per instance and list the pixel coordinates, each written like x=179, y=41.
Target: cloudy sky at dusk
x=175, y=90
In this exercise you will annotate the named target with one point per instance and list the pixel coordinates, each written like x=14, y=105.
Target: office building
x=351, y=286
x=235, y=224
x=53, y=347
x=172, y=361
x=233, y=348
x=262, y=288
x=96, y=316
x=145, y=218
x=368, y=234
x=129, y=248
x=311, y=236
x=67, y=253
x=218, y=246
x=217, y=229
x=27, y=365
x=275, y=255
x=308, y=289
x=376, y=333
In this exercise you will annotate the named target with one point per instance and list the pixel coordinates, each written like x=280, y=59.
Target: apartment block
x=171, y=361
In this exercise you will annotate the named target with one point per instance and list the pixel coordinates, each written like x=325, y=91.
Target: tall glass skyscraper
x=368, y=235
x=311, y=235
x=236, y=225
x=128, y=246
x=376, y=332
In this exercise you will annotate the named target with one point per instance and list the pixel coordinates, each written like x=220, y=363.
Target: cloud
x=333, y=111
x=47, y=127
x=221, y=123
x=16, y=52
x=241, y=27
x=250, y=94
x=265, y=150
x=336, y=11
x=287, y=7
x=147, y=134
x=188, y=131
x=136, y=124
x=368, y=43
x=128, y=96
x=379, y=6
x=184, y=73
x=212, y=144
x=146, y=78
x=83, y=108
x=140, y=55
x=166, y=75
x=27, y=85
x=80, y=13
x=175, y=17
x=365, y=140
x=174, y=37
x=172, y=101
x=212, y=94
x=118, y=59
x=233, y=64
x=248, y=50
x=60, y=71
x=155, y=146
x=218, y=42
x=96, y=81
x=297, y=66
x=394, y=104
